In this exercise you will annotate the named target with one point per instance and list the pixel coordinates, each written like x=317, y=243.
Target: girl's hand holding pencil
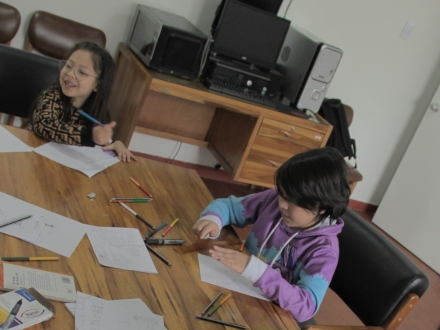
x=103, y=134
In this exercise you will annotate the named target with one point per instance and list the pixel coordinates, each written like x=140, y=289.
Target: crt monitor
x=248, y=34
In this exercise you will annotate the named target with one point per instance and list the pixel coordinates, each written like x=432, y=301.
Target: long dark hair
x=317, y=181
x=103, y=64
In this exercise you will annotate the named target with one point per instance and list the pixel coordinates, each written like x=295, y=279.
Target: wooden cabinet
x=249, y=140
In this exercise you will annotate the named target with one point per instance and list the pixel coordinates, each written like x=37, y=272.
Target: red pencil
x=141, y=188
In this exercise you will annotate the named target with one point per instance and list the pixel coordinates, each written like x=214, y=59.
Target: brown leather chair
x=353, y=175
x=53, y=35
x=9, y=23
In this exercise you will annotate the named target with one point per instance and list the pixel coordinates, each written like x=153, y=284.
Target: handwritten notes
x=9, y=143
x=46, y=229
x=120, y=248
x=92, y=313
x=84, y=159
x=214, y=272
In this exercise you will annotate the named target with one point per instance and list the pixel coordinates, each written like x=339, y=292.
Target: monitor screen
x=249, y=34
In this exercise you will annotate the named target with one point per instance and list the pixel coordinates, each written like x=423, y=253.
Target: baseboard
x=362, y=207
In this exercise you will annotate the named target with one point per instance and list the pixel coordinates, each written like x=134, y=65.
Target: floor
x=424, y=316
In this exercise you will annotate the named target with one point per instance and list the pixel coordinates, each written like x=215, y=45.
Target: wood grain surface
x=176, y=292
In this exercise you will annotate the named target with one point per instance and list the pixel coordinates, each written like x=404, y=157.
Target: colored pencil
x=239, y=326
x=141, y=188
x=242, y=247
x=157, y=254
x=30, y=258
x=155, y=230
x=169, y=227
x=130, y=200
x=136, y=215
x=90, y=118
x=212, y=302
x=217, y=306
x=15, y=219
x=126, y=198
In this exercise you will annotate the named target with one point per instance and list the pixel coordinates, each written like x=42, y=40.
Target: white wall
x=388, y=81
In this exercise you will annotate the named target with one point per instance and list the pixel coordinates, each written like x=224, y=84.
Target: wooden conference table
x=176, y=292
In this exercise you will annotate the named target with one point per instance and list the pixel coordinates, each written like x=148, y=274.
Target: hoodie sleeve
x=237, y=211
x=303, y=298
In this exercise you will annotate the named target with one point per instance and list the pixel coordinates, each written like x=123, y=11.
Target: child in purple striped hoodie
x=293, y=241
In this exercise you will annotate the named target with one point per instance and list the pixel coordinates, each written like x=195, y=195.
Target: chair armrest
x=339, y=327
x=353, y=175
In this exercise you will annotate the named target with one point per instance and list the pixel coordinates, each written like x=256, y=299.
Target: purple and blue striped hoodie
x=298, y=279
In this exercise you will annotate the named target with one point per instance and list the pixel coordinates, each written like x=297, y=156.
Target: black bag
x=333, y=111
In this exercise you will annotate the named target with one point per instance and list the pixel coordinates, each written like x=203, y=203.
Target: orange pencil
x=242, y=247
x=141, y=188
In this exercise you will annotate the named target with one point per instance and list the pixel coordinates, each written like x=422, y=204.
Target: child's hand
x=123, y=153
x=235, y=260
x=101, y=135
x=204, y=227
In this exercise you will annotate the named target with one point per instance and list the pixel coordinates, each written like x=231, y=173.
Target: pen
x=130, y=200
x=12, y=315
x=29, y=258
x=157, y=254
x=155, y=230
x=15, y=219
x=217, y=306
x=239, y=326
x=136, y=215
x=164, y=241
x=169, y=227
x=212, y=302
x=141, y=188
x=90, y=118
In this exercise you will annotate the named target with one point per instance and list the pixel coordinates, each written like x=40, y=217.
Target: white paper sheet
x=92, y=313
x=84, y=159
x=9, y=143
x=214, y=272
x=121, y=248
x=46, y=229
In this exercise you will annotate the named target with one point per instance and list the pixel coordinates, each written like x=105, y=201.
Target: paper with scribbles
x=120, y=248
x=92, y=313
x=214, y=272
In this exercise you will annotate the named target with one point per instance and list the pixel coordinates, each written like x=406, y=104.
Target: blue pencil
x=90, y=118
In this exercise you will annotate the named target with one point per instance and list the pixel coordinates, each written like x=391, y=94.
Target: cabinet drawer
x=264, y=158
x=290, y=133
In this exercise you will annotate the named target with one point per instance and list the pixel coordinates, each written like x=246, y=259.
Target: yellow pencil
x=169, y=227
x=30, y=258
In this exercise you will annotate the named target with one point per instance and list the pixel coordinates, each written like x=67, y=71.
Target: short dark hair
x=104, y=65
x=315, y=180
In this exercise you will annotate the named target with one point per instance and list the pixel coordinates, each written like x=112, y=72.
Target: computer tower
x=308, y=65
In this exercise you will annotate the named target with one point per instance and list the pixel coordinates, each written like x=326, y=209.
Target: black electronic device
x=167, y=42
x=271, y=6
x=242, y=81
x=248, y=34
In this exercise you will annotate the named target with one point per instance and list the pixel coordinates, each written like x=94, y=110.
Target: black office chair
x=374, y=278
x=9, y=22
x=23, y=75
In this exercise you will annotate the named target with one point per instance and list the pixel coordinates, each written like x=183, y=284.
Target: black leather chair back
x=23, y=75
x=373, y=275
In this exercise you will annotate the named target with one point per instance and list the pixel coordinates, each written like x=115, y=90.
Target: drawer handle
x=275, y=164
x=286, y=133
